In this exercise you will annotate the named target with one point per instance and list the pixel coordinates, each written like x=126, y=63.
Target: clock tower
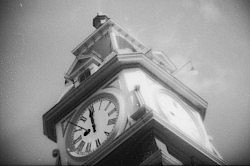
x=123, y=106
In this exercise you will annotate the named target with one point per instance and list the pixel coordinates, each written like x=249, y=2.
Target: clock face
x=92, y=125
x=178, y=116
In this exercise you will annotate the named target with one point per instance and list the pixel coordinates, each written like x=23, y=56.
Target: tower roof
x=107, y=38
x=108, y=27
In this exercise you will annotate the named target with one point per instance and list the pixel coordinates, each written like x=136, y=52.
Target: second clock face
x=178, y=116
x=92, y=126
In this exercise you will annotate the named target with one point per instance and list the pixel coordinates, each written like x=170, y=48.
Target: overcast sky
x=35, y=52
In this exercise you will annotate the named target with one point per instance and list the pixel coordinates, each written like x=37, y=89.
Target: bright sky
x=36, y=42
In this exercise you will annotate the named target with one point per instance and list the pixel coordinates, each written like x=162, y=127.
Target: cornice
x=153, y=122
x=178, y=140
x=164, y=77
x=96, y=35
x=101, y=31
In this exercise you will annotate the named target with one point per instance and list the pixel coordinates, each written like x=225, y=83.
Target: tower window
x=84, y=75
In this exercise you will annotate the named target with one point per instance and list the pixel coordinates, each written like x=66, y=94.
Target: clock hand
x=91, y=114
x=77, y=125
x=87, y=131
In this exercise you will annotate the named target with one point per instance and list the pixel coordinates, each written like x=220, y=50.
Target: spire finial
x=99, y=20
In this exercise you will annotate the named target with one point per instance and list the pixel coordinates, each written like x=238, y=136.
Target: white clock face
x=92, y=126
x=178, y=116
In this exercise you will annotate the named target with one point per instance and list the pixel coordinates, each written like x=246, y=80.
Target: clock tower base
x=140, y=149
x=149, y=142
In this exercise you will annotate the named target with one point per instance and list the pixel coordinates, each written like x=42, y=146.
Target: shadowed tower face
x=122, y=104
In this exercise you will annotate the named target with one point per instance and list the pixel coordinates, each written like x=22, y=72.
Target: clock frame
x=116, y=98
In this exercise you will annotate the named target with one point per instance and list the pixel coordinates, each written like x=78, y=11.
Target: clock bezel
x=189, y=110
x=116, y=97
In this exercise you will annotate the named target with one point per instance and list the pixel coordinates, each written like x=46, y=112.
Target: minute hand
x=77, y=125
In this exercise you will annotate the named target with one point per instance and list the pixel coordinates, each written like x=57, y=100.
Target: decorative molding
x=139, y=96
x=152, y=123
x=86, y=61
x=56, y=154
x=161, y=158
x=65, y=123
x=163, y=77
x=105, y=28
x=161, y=60
x=139, y=113
x=94, y=37
x=113, y=84
x=185, y=145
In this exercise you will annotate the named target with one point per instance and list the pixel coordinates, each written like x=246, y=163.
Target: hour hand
x=87, y=131
x=93, y=126
x=91, y=114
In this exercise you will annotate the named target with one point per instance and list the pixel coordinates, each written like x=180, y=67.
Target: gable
x=101, y=37
x=102, y=47
x=79, y=63
x=108, y=38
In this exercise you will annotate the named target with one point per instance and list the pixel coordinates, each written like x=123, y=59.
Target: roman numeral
x=107, y=133
x=107, y=106
x=97, y=142
x=112, y=121
x=83, y=119
x=100, y=104
x=91, y=108
x=77, y=140
x=88, y=147
x=112, y=111
x=80, y=146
